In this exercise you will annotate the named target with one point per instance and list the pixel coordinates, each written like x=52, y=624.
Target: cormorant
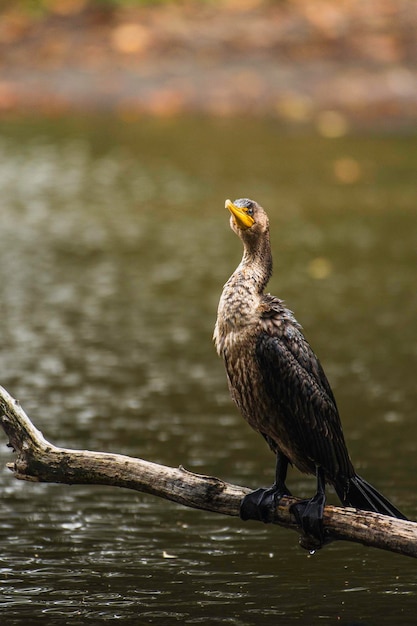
x=279, y=386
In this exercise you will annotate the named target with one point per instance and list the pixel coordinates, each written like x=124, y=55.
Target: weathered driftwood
x=40, y=461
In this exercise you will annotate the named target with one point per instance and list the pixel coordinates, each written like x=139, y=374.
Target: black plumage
x=279, y=385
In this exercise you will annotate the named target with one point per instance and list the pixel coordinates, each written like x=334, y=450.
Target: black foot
x=261, y=504
x=309, y=514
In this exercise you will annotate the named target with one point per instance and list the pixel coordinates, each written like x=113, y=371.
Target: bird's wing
x=299, y=391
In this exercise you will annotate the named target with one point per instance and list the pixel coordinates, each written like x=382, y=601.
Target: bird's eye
x=250, y=212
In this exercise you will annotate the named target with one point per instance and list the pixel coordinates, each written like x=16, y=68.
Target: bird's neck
x=256, y=265
x=241, y=296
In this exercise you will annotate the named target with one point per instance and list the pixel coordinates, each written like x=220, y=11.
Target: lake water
x=114, y=246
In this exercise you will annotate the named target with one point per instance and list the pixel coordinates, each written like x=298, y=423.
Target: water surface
x=114, y=246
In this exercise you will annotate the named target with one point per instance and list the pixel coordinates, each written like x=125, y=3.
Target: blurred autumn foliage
x=324, y=62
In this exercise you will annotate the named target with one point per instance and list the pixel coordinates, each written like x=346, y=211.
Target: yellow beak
x=242, y=219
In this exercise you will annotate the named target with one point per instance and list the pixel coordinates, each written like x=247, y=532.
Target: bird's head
x=248, y=219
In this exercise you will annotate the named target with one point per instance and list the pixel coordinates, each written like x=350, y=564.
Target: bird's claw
x=309, y=515
x=261, y=504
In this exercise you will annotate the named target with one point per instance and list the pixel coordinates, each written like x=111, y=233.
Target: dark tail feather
x=361, y=495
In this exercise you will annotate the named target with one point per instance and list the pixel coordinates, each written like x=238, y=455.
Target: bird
x=280, y=388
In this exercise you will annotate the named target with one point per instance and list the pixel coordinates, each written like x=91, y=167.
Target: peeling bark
x=40, y=461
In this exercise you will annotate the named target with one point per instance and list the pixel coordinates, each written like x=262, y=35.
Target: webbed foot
x=309, y=515
x=261, y=504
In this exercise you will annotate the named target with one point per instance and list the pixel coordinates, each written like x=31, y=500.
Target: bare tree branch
x=40, y=461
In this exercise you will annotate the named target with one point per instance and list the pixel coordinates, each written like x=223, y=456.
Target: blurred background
x=124, y=126
x=323, y=63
